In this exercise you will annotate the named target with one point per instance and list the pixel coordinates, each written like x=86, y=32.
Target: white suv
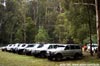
x=66, y=51
x=21, y=48
x=94, y=47
x=13, y=49
x=27, y=50
x=8, y=48
x=34, y=48
x=42, y=50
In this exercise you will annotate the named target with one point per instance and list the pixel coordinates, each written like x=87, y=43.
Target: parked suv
x=22, y=47
x=3, y=48
x=42, y=50
x=27, y=50
x=34, y=48
x=13, y=49
x=8, y=48
x=66, y=51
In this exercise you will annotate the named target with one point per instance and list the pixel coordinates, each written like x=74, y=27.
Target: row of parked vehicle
x=51, y=51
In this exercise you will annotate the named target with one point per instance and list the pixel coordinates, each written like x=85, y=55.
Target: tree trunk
x=97, y=4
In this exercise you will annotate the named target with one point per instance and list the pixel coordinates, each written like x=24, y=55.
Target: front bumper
x=27, y=52
x=36, y=52
x=20, y=51
x=51, y=54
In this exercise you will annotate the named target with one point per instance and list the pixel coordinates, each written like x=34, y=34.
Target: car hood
x=21, y=47
x=28, y=48
x=41, y=49
x=58, y=49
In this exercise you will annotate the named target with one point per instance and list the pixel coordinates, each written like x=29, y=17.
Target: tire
x=35, y=55
x=76, y=56
x=58, y=57
x=3, y=50
x=50, y=58
x=42, y=54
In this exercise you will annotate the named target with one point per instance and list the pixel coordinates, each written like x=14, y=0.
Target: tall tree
x=42, y=35
x=79, y=17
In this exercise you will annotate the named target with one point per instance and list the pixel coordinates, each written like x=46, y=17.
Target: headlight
x=52, y=52
x=24, y=50
x=29, y=49
x=37, y=51
x=47, y=52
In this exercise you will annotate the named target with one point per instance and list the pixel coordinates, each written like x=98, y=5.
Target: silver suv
x=66, y=51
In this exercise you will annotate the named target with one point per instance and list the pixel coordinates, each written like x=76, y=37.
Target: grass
x=11, y=59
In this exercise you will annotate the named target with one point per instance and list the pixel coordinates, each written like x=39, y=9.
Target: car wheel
x=2, y=49
x=35, y=55
x=50, y=58
x=76, y=56
x=58, y=57
x=42, y=54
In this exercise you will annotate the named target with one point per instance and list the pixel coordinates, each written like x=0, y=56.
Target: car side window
x=50, y=47
x=78, y=47
x=72, y=47
x=67, y=48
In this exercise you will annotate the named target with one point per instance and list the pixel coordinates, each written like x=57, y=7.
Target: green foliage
x=94, y=39
x=61, y=28
x=30, y=30
x=62, y=19
x=42, y=35
x=19, y=36
x=79, y=17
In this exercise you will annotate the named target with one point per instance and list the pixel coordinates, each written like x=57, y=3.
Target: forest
x=49, y=21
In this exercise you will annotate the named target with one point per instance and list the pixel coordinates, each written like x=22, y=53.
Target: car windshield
x=52, y=47
x=41, y=45
x=10, y=45
x=30, y=46
x=18, y=45
x=23, y=45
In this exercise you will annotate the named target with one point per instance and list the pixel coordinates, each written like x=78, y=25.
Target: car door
x=72, y=50
x=66, y=51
